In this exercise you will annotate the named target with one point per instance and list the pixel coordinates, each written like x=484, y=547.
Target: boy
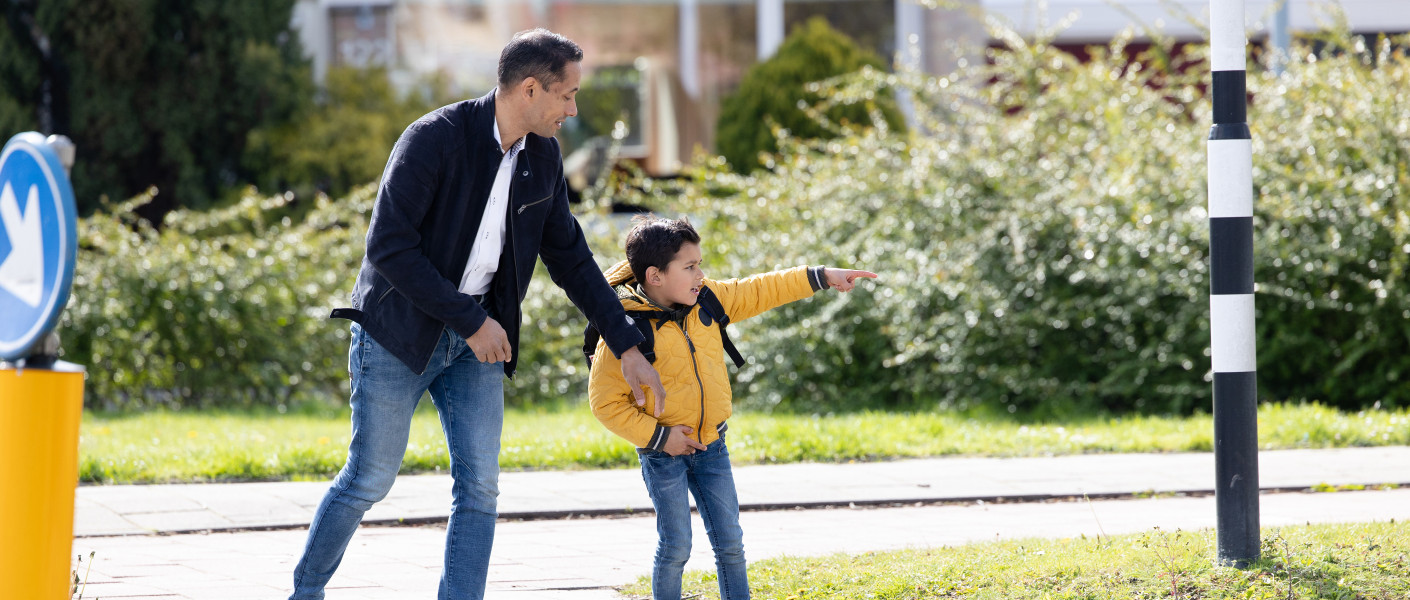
x=681, y=445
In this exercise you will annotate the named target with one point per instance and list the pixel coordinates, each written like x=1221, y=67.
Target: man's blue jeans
x=469, y=395
x=707, y=476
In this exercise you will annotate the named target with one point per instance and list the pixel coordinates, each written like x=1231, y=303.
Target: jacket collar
x=482, y=123
x=519, y=144
x=641, y=301
x=482, y=131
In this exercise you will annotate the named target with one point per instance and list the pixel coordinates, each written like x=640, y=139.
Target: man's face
x=549, y=106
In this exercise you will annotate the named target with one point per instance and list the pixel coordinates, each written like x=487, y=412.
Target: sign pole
x=41, y=397
x=1231, y=322
x=39, y=416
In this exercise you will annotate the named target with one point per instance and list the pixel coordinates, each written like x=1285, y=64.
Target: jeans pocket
x=355, y=354
x=643, y=453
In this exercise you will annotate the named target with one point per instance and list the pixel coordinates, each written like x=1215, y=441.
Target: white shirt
x=489, y=240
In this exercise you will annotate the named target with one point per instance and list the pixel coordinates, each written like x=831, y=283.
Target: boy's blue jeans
x=707, y=476
x=469, y=396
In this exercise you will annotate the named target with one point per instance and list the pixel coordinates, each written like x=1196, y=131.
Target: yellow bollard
x=39, y=413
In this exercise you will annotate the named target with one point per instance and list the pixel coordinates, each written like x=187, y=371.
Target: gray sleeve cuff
x=817, y=277
x=658, y=439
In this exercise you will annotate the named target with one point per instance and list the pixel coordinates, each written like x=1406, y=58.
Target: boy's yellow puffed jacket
x=691, y=361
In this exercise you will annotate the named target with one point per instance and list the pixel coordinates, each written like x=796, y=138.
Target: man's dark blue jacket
x=434, y=191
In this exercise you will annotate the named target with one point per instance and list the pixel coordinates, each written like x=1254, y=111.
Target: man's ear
x=530, y=84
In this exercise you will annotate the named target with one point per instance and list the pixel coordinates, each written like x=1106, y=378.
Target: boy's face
x=680, y=282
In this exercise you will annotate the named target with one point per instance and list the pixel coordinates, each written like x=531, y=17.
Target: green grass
x=168, y=446
x=1358, y=561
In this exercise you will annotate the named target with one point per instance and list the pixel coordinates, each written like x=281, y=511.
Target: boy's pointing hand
x=843, y=280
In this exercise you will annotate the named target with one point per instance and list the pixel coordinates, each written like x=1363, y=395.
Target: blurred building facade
x=1097, y=21
x=687, y=55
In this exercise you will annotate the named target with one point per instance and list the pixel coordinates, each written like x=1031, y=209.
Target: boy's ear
x=653, y=276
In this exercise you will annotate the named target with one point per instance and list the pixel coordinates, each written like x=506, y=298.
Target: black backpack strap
x=590, y=338
x=711, y=305
x=643, y=324
x=642, y=320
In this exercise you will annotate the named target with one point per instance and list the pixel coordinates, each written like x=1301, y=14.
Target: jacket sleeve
x=565, y=253
x=612, y=403
x=409, y=185
x=750, y=296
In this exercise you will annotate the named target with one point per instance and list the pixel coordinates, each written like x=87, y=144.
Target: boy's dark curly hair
x=654, y=242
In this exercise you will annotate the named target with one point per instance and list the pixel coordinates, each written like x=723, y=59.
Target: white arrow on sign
x=22, y=273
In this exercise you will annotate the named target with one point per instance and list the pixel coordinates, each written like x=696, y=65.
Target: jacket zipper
x=699, y=431
x=539, y=201
x=514, y=262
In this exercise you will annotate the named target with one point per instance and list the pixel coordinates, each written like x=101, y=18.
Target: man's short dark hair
x=654, y=242
x=537, y=53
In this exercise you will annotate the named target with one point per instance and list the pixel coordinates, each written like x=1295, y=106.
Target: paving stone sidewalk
x=147, y=509
x=587, y=559
x=241, y=540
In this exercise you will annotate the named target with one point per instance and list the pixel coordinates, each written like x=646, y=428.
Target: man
x=472, y=193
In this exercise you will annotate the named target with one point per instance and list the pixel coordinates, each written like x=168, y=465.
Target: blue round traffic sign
x=38, y=241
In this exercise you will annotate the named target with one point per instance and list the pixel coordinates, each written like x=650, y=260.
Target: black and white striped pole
x=1231, y=291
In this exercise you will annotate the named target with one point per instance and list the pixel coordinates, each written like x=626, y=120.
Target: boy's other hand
x=678, y=442
x=843, y=280
x=490, y=343
x=639, y=373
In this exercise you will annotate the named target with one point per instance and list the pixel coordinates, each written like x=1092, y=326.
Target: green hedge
x=1043, y=244
x=1332, y=166
x=1041, y=238
x=221, y=308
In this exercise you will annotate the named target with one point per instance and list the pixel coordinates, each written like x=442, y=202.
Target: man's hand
x=843, y=280
x=640, y=374
x=490, y=343
x=678, y=442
